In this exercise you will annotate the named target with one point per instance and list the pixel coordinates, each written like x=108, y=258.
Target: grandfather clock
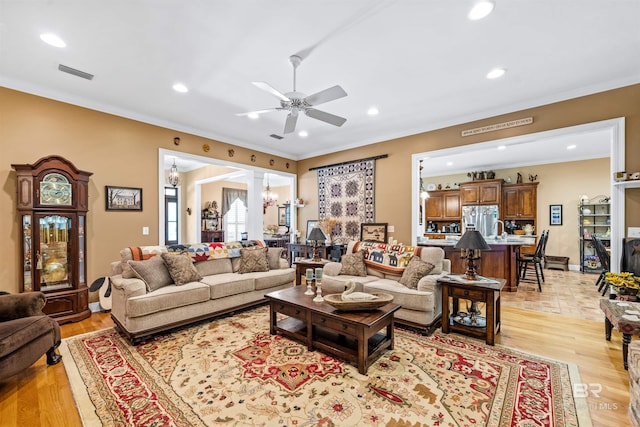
x=52, y=204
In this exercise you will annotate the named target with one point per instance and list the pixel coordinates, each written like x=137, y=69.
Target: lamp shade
x=317, y=235
x=472, y=239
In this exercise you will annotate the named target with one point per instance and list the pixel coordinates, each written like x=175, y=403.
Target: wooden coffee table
x=355, y=336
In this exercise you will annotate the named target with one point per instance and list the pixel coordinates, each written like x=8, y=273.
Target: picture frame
x=282, y=216
x=555, y=214
x=373, y=232
x=123, y=198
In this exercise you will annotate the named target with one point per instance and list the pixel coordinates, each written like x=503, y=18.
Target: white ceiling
x=421, y=63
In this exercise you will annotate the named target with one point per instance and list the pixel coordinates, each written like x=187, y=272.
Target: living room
x=124, y=151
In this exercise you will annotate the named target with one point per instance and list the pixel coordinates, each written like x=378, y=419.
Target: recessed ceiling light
x=501, y=147
x=179, y=87
x=449, y=163
x=571, y=147
x=496, y=73
x=253, y=115
x=53, y=40
x=303, y=133
x=480, y=10
x=373, y=111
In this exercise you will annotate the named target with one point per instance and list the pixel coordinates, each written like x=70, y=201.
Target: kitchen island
x=501, y=261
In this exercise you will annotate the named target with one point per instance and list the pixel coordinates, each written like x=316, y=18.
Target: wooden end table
x=356, y=336
x=456, y=288
x=303, y=264
x=617, y=316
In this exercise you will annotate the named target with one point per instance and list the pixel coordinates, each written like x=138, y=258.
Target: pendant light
x=174, y=176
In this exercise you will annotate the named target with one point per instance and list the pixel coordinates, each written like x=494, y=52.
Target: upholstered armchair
x=26, y=333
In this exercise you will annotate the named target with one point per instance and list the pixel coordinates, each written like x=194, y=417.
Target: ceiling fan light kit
x=295, y=102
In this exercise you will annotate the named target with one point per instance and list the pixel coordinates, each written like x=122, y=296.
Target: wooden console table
x=488, y=293
x=355, y=336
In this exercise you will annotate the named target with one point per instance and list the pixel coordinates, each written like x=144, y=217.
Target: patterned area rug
x=232, y=372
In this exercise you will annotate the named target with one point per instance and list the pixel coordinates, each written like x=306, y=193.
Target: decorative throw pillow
x=353, y=264
x=181, y=268
x=273, y=256
x=153, y=272
x=415, y=270
x=253, y=260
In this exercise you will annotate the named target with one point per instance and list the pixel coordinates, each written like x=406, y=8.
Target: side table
x=623, y=316
x=486, y=290
x=303, y=264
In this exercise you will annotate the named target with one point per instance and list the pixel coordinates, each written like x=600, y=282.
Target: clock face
x=55, y=189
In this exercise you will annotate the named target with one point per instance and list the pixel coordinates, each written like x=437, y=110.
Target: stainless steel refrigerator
x=483, y=218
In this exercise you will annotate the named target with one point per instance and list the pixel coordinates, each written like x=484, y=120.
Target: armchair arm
x=128, y=287
x=26, y=304
x=332, y=269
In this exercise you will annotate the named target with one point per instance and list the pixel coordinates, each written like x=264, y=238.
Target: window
x=171, y=215
x=235, y=221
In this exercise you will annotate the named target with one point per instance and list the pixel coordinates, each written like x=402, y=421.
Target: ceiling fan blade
x=290, y=124
x=268, y=110
x=326, y=95
x=332, y=119
x=268, y=88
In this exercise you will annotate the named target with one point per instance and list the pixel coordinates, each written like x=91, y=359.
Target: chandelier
x=268, y=197
x=174, y=177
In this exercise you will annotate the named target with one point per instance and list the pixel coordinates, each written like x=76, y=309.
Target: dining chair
x=605, y=264
x=535, y=260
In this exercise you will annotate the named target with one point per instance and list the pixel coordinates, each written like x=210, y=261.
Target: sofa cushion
x=137, y=253
x=214, y=266
x=153, y=272
x=253, y=260
x=166, y=298
x=273, y=257
x=414, y=271
x=411, y=299
x=273, y=278
x=353, y=264
x=181, y=268
x=235, y=264
x=226, y=284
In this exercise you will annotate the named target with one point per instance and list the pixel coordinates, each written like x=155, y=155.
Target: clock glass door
x=53, y=255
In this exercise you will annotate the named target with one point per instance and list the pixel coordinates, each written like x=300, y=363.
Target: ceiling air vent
x=75, y=72
x=273, y=135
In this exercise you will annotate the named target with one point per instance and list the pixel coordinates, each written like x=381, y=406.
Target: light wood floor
x=40, y=396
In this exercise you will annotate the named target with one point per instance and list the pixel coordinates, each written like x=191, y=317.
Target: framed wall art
x=373, y=232
x=555, y=214
x=123, y=198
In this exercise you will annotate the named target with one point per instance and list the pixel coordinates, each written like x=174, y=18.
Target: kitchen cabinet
x=443, y=206
x=519, y=202
x=52, y=203
x=485, y=192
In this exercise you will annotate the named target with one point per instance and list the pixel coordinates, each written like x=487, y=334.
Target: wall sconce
x=188, y=211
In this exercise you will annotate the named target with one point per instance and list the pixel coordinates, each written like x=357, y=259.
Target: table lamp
x=316, y=236
x=472, y=242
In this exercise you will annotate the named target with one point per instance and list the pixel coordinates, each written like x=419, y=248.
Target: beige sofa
x=421, y=307
x=139, y=311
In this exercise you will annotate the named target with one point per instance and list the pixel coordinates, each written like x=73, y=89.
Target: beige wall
x=271, y=214
x=118, y=151
x=124, y=152
x=393, y=174
x=559, y=184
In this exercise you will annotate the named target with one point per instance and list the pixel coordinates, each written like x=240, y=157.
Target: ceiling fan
x=296, y=102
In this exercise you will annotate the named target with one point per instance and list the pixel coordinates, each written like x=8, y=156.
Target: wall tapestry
x=346, y=194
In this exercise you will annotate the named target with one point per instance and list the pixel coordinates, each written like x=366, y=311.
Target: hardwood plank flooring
x=41, y=396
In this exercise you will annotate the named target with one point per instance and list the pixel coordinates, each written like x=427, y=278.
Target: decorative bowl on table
x=335, y=300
